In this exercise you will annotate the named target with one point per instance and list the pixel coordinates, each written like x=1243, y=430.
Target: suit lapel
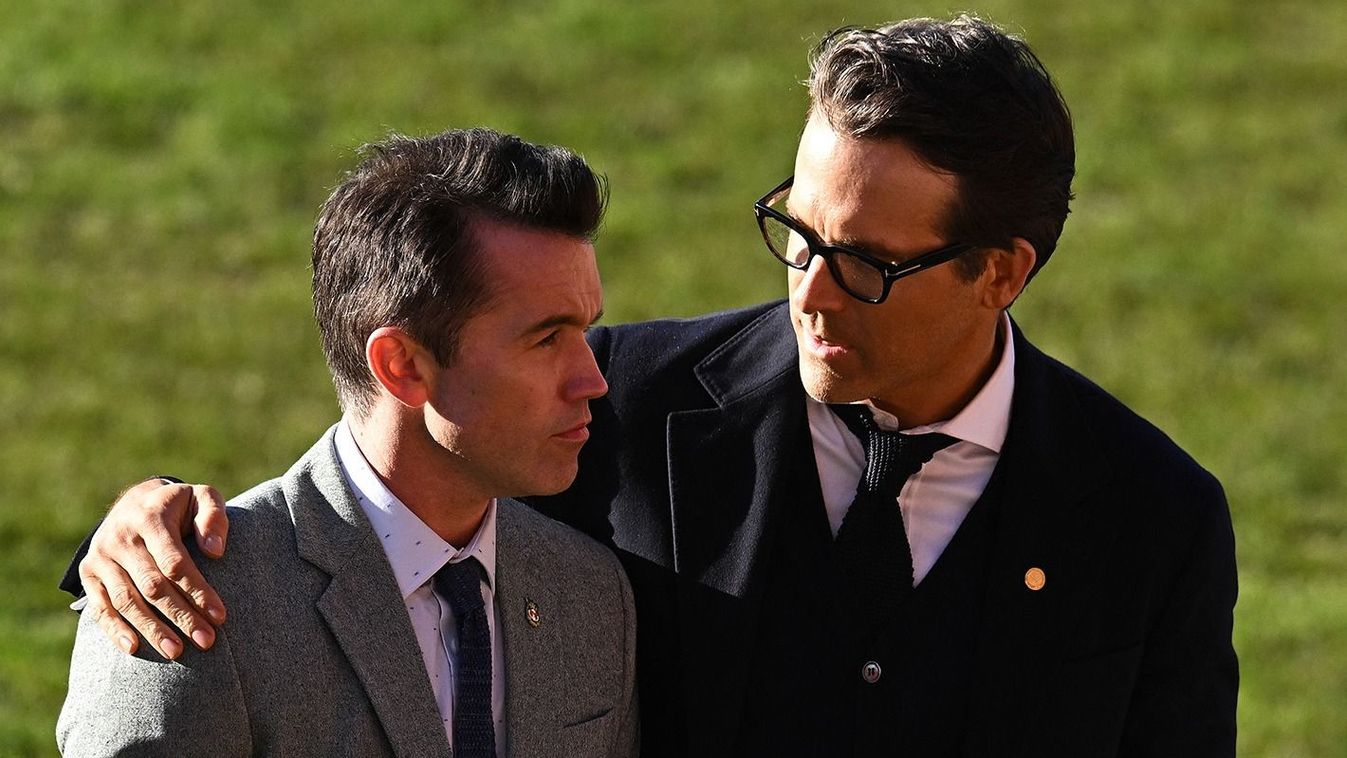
x=362, y=605
x=726, y=477
x=1049, y=464
x=532, y=652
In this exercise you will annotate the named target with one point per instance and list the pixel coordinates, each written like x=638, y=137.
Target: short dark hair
x=970, y=100
x=394, y=244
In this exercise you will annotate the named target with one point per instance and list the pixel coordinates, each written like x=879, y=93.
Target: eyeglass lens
x=853, y=274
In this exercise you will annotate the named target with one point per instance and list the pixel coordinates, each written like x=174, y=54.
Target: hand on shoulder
x=138, y=577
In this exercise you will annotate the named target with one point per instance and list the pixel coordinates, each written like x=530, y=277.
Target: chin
x=824, y=385
x=554, y=482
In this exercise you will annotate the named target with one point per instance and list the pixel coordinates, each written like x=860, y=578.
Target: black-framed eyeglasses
x=861, y=275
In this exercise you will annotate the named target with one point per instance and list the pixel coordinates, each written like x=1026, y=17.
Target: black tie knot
x=891, y=458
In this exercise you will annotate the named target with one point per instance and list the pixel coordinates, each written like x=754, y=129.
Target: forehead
x=876, y=191
x=527, y=272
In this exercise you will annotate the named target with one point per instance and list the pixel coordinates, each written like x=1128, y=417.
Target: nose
x=814, y=289
x=585, y=382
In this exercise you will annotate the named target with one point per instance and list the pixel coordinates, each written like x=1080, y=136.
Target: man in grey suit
x=385, y=597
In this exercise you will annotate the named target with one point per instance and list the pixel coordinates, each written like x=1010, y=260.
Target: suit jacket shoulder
x=318, y=635
x=313, y=608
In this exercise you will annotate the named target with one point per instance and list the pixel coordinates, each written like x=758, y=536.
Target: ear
x=1006, y=273
x=401, y=365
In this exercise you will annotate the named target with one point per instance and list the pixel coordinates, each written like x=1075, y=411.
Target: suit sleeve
x=70, y=582
x=1184, y=699
x=143, y=705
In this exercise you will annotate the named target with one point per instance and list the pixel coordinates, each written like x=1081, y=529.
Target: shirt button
x=871, y=672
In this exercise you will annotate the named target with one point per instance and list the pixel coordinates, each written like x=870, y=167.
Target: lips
x=824, y=346
x=577, y=433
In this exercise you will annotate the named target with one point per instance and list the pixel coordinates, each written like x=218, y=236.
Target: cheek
x=524, y=397
x=465, y=394
x=793, y=279
x=885, y=325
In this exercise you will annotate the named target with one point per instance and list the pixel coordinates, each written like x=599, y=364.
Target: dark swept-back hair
x=969, y=100
x=394, y=244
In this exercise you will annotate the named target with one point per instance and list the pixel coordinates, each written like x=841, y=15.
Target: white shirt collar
x=414, y=550
x=986, y=418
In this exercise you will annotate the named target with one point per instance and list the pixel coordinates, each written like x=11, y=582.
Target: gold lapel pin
x=1034, y=579
x=534, y=616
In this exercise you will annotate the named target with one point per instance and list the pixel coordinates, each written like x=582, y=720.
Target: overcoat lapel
x=1050, y=462
x=362, y=605
x=725, y=475
x=532, y=652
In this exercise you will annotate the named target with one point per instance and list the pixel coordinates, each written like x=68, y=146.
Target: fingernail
x=124, y=643
x=202, y=638
x=171, y=648
x=216, y=614
x=214, y=544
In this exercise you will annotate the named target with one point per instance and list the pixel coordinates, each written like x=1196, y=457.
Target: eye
x=550, y=339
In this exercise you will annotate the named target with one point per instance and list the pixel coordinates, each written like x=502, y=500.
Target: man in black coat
x=1028, y=568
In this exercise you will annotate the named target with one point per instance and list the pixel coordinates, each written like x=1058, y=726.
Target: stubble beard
x=823, y=384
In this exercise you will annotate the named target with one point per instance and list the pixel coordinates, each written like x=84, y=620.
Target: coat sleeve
x=1183, y=702
x=144, y=705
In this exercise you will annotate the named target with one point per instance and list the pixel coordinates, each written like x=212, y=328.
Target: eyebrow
x=562, y=320
x=874, y=250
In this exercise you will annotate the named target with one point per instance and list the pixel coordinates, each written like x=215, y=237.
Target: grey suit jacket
x=319, y=658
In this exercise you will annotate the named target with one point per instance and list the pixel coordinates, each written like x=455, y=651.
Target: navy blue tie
x=474, y=729
x=872, y=543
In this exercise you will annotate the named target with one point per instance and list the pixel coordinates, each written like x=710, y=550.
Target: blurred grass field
x=161, y=166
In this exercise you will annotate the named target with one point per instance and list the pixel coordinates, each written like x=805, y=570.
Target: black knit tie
x=872, y=543
x=474, y=729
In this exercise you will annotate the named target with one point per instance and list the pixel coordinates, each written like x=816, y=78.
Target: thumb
x=210, y=522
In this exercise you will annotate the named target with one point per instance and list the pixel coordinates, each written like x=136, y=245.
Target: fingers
x=212, y=526
x=170, y=556
x=137, y=563
x=134, y=494
x=157, y=561
x=114, y=628
x=114, y=603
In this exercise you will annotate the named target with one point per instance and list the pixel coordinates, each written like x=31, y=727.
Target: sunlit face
x=511, y=411
x=878, y=196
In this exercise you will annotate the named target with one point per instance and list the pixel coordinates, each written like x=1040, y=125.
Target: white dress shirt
x=416, y=553
x=936, y=499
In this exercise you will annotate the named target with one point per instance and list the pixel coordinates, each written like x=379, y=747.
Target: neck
x=955, y=387
x=402, y=455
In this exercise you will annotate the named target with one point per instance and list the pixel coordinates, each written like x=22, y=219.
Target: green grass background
x=161, y=165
